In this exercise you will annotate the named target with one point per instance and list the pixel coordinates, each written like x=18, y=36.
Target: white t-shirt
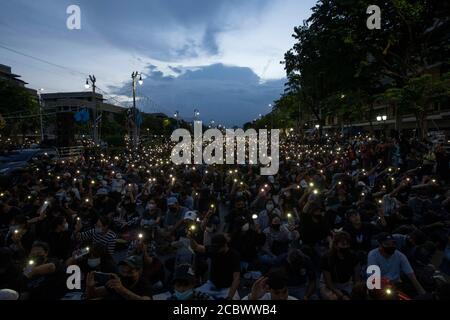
x=268, y=296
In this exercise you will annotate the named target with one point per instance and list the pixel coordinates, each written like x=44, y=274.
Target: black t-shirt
x=60, y=244
x=342, y=270
x=361, y=238
x=141, y=288
x=6, y=217
x=247, y=244
x=311, y=231
x=222, y=267
x=298, y=275
x=50, y=286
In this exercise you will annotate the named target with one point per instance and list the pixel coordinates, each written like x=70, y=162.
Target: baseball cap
x=171, y=201
x=184, y=272
x=190, y=215
x=102, y=192
x=384, y=238
x=134, y=262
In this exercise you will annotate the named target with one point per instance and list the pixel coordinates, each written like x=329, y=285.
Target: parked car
x=14, y=162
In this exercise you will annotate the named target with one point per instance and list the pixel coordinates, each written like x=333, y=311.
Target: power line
x=42, y=60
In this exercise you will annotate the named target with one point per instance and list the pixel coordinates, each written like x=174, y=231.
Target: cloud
x=228, y=94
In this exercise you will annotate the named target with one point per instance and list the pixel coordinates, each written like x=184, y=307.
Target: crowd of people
x=140, y=227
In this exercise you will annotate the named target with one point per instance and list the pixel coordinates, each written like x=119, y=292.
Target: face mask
x=93, y=262
x=276, y=226
x=66, y=226
x=98, y=230
x=38, y=260
x=389, y=250
x=245, y=227
x=344, y=251
x=270, y=207
x=183, y=295
x=127, y=281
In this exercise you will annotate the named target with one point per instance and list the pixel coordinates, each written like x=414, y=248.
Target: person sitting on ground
x=271, y=287
x=392, y=262
x=127, y=285
x=184, y=282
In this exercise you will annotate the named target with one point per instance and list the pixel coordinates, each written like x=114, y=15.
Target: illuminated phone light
x=212, y=205
x=262, y=189
x=289, y=215
x=235, y=180
x=78, y=219
x=380, y=201
x=30, y=262
x=339, y=182
x=86, y=200
x=92, y=182
x=254, y=216
x=316, y=191
x=434, y=180
x=193, y=227
x=140, y=235
x=388, y=291
x=408, y=179
x=16, y=231
x=363, y=194
x=311, y=184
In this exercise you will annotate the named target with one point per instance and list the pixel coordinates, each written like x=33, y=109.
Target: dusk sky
x=219, y=56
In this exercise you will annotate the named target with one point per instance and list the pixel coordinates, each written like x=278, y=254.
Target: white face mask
x=245, y=227
x=93, y=262
x=269, y=207
x=66, y=226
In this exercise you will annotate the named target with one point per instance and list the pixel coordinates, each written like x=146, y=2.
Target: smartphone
x=81, y=253
x=101, y=278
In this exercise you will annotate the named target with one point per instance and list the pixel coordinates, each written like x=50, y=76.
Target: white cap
x=8, y=294
x=190, y=215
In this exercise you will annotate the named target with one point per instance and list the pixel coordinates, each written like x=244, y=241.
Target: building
x=7, y=75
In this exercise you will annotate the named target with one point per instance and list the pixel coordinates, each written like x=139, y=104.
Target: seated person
x=128, y=285
x=271, y=287
x=184, y=285
x=392, y=262
x=300, y=273
x=43, y=276
x=225, y=268
x=101, y=234
x=340, y=269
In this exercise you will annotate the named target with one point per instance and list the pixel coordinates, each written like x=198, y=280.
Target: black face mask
x=173, y=209
x=389, y=250
x=276, y=226
x=344, y=251
x=127, y=281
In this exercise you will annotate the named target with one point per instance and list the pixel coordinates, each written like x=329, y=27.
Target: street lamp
x=196, y=114
x=40, y=113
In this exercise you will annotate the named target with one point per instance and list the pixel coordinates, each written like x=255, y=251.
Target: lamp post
x=176, y=116
x=382, y=118
x=196, y=114
x=135, y=133
x=40, y=113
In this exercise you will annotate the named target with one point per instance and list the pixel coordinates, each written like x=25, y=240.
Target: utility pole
x=134, y=127
x=93, y=80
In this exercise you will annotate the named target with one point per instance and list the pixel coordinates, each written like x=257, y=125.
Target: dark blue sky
x=219, y=56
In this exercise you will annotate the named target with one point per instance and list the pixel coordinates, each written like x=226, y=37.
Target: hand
x=258, y=288
x=17, y=237
x=90, y=280
x=78, y=226
x=115, y=284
